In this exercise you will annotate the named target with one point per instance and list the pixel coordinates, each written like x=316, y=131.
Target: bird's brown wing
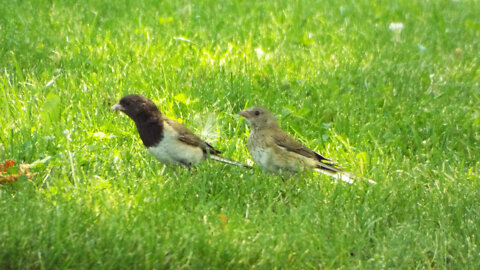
x=285, y=141
x=188, y=137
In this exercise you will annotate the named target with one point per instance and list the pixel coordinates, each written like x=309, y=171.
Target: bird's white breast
x=172, y=151
x=261, y=154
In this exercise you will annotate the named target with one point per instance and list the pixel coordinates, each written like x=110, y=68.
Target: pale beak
x=117, y=107
x=244, y=114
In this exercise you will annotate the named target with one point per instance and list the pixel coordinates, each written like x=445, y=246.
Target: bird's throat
x=151, y=131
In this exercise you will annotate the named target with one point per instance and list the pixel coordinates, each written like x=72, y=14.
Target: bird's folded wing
x=285, y=141
x=188, y=137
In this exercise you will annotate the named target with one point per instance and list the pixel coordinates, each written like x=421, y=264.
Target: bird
x=277, y=152
x=169, y=141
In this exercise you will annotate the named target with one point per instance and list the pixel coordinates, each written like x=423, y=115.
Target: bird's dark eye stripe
x=257, y=112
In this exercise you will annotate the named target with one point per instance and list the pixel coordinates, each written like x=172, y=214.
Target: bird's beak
x=117, y=107
x=244, y=114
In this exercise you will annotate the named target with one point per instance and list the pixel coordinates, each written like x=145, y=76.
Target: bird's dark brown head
x=258, y=117
x=136, y=107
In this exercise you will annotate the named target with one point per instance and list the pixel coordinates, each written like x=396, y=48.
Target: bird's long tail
x=229, y=161
x=342, y=175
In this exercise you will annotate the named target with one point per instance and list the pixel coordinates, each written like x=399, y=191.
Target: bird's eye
x=126, y=103
x=257, y=112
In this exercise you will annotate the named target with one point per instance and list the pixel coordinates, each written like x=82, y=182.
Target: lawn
x=388, y=89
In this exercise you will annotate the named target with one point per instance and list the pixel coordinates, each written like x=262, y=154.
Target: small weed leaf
x=11, y=173
x=223, y=218
x=182, y=98
x=51, y=109
x=9, y=163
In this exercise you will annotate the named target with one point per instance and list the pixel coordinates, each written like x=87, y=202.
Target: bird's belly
x=260, y=156
x=172, y=151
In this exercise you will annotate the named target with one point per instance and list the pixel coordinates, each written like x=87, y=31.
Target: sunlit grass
x=399, y=107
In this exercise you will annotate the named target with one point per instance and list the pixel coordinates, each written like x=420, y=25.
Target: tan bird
x=276, y=151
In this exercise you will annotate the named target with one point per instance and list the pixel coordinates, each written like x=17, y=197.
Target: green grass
x=404, y=112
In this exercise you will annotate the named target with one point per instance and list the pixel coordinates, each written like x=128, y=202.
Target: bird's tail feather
x=341, y=175
x=229, y=161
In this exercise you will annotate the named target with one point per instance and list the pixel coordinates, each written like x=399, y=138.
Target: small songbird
x=275, y=151
x=169, y=141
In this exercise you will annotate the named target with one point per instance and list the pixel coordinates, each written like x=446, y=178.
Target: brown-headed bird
x=275, y=151
x=169, y=141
